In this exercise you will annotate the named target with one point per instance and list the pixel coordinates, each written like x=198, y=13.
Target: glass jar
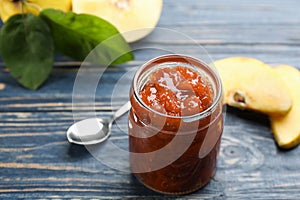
x=174, y=154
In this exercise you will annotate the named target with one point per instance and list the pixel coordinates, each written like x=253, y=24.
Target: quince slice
x=9, y=7
x=286, y=128
x=134, y=19
x=251, y=84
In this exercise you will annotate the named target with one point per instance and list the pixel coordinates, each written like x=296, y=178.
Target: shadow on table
x=78, y=151
x=249, y=116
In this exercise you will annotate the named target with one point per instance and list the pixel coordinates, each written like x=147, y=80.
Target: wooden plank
x=61, y=82
x=247, y=163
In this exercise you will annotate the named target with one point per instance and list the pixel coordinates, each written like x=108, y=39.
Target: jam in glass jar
x=175, y=124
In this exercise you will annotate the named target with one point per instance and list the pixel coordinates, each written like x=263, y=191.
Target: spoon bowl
x=94, y=130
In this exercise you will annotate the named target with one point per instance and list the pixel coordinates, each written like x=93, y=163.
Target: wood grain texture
x=36, y=161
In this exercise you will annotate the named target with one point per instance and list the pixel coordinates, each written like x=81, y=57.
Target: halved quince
x=251, y=84
x=133, y=18
x=12, y=7
x=286, y=128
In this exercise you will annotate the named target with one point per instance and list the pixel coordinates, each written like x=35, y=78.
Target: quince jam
x=175, y=124
x=177, y=91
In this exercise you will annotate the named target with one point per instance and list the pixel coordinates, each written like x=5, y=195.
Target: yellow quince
x=12, y=7
x=135, y=19
x=287, y=128
x=251, y=84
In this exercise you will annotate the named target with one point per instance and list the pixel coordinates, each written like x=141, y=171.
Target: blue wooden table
x=36, y=160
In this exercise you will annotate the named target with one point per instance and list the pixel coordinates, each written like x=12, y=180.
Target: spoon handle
x=121, y=111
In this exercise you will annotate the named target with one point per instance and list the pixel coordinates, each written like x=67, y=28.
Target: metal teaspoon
x=94, y=130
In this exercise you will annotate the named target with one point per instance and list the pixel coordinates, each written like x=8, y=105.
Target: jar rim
x=186, y=118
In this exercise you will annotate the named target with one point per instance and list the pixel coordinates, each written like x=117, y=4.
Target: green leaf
x=76, y=35
x=27, y=49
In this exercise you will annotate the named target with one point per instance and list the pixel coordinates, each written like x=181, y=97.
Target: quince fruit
x=286, y=128
x=12, y=7
x=251, y=84
x=134, y=19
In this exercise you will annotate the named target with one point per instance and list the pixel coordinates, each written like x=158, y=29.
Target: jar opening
x=170, y=61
